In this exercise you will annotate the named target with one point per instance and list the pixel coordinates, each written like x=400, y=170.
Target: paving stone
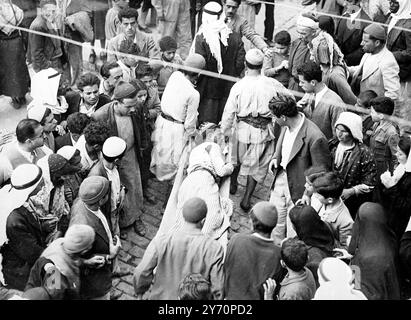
x=125, y=287
x=136, y=251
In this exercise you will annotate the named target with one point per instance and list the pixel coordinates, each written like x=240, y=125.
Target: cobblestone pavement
x=133, y=248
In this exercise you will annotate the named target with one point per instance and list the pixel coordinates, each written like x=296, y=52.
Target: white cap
x=114, y=147
x=67, y=152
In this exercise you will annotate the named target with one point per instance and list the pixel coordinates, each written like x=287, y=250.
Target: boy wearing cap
x=378, y=69
x=244, y=281
x=96, y=273
x=177, y=254
x=254, y=139
x=168, y=47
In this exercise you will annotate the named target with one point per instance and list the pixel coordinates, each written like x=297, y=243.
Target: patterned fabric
x=10, y=16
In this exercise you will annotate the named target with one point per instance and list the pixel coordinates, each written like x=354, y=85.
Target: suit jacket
x=399, y=43
x=106, y=114
x=73, y=99
x=381, y=76
x=310, y=148
x=43, y=49
x=64, y=140
x=25, y=245
x=94, y=282
x=326, y=113
x=348, y=36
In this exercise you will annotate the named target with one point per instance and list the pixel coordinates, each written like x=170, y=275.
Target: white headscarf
x=214, y=30
x=404, y=12
x=353, y=122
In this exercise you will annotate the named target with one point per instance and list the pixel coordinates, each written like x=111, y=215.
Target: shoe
x=245, y=207
x=115, y=295
x=140, y=228
x=233, y=188
x=121, y=273
x=149, y=198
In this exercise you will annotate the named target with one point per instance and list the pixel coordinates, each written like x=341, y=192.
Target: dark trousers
x=269, y=20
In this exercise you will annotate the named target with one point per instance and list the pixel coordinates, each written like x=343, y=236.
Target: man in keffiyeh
x=224, y=53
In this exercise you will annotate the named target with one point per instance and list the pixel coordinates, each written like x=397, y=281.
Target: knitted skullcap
x=266, y=213
x=93, y=189
x=195, y=60
x=194, y=210
x=255, y=57
x=167, y=43
x=78, y=238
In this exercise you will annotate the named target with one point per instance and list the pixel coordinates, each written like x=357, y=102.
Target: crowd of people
x=326, y=115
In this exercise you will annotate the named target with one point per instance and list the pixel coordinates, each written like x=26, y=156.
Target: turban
x=266, y=213
x=194, y=210
x=93, y=189
x=78, y=238
x=304, y=22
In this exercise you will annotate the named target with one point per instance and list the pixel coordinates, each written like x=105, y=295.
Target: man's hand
x=343, y=254
x=116, y=248
x=60, y=130
x=267, y=52
x=347, y=193
x=269, y=287
x=273, y=165
x=50, y=225
x=95, y=262
x=305, y=200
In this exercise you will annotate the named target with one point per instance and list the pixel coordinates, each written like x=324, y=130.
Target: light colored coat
x=380, y=75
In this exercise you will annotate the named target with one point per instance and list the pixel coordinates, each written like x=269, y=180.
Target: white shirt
x=128, y=73
x=86, y=161
x=288, y=142
x=320, y=95
x=88, y=111
x=103, y=220
x=114, y=177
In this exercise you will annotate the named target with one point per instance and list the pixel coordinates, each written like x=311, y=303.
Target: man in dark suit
x=300, y=145
x=76, y=123
x=348, y=34
x=95, y=275
x=47, y=52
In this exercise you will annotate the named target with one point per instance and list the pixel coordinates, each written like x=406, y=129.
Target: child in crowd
x=168, y=47
x=127, y=63
x=363, y=101
x=328, y=189
x=299, y=283
x=276, y=66
x=309, y=197
x=195, y=287
x=385, y=134
x=91, y=64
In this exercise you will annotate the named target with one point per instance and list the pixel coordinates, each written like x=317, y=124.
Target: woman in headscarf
x=57, y=271
x=375, y=252
x=223, y=51
x=325, y=51
x=59, y=200
x=315, y=233
x=399, y=43
x=72, y=181
x=396, y=190
x=335, y=278
x=207, y=165
x=14, y=75
x=353, y=161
